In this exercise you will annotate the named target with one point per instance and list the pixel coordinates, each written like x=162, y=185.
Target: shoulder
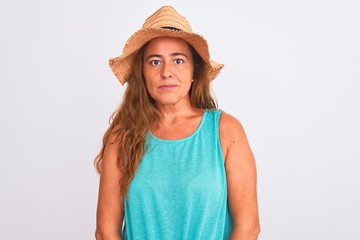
x=230, y=125
x=231, y=132
x=110, y=148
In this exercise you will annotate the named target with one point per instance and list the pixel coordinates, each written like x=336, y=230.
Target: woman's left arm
x=241, y=179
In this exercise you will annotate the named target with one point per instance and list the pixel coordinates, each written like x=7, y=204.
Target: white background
x=291, y=77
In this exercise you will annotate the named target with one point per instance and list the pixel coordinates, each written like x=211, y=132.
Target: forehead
x=167, y=44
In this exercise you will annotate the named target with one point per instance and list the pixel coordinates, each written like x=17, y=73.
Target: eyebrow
x=172, y=54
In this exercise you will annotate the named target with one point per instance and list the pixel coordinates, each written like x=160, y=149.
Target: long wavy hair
x=129, y=125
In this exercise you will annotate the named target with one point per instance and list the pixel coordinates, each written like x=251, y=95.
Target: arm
x=110, y=210
x=241, y=179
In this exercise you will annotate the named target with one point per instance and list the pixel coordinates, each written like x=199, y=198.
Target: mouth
x=168, y=86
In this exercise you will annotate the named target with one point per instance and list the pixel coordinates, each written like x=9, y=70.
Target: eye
x=155, y=62
x=178, y=61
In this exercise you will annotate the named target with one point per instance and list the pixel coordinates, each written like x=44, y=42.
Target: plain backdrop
x=291, y=77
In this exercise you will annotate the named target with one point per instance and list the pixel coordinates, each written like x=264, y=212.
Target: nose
x=166, y=71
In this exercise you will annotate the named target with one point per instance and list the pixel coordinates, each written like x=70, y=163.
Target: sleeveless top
x=180, y=190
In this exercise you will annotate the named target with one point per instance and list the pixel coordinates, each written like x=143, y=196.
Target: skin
x=241, y=178
x=168, y=69
x=110, y=210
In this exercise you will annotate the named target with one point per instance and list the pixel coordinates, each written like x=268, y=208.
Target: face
x=168, y=70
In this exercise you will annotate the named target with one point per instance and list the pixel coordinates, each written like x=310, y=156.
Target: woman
x=172, y=165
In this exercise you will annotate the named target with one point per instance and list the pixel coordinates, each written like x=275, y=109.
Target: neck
x=182, y=107
x=174, y=114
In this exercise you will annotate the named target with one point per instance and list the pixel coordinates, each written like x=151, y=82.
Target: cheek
x=184, y=75
x=188, y=78
x=191, y=73
x=145, y=74
x=150, y=85
x=148, y=76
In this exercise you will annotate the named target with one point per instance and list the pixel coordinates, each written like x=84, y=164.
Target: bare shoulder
x=110, y=145
x=109, y=160
x=109, y=211
x=229, y=121
x=230, y=128
x=241, y=177
x=232, y=133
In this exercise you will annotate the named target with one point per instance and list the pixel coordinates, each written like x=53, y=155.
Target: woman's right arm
x=110, y=210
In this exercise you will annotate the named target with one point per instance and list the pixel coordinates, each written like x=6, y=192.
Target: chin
x=167, y=102
x=171, y=100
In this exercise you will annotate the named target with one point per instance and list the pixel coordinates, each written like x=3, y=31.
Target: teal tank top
x=180, y=190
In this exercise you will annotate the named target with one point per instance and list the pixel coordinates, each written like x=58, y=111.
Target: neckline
x=181, y=139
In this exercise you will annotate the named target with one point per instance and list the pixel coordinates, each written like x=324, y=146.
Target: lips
x=168, y=86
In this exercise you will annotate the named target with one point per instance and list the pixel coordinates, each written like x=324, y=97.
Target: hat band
x=172, y=28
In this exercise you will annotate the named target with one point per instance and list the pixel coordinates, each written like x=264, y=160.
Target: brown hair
x=131, y=122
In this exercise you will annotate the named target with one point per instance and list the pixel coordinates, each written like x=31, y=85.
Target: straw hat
x=165, y=22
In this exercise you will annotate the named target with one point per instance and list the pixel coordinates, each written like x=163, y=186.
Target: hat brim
x=121, y=65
